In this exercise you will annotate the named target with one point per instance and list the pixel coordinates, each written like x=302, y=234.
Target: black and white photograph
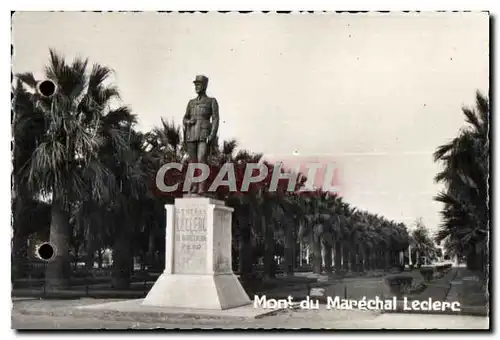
x=250, y=170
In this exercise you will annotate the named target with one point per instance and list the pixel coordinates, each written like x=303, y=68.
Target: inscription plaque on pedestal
x=190, y=241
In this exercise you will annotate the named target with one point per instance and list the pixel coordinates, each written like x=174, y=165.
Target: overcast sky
x=375, y=93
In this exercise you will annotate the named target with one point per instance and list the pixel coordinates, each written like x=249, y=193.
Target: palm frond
x=228, y=147
x=27, y=78
x=483, y=106
x=121, y=116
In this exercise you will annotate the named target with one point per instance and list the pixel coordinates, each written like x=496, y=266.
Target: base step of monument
x=136, y=310
x=197, y=292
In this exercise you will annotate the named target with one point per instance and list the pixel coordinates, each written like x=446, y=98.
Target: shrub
x=418, y=288
x=427, y=273
x=444, y=267
x=303, y=268
x=399, y=284
x=395, y=269
x=101, y=272
x=35, y=269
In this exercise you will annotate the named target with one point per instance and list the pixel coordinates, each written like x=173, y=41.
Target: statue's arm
x=187, y=116
x=215, y=119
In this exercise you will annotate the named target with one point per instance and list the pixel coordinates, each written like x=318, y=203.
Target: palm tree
x=128, y=205
x=245, y=205
x=66, y=156
x=399, y=242
x=341, y=222
x=318, y=207
x=465, y=175
x=422, y=242
x=353, y=239
x=293, y=217
x=27, y=127
x=283, y=210
x=266, y=204
x=163, y=144
x=370, y=240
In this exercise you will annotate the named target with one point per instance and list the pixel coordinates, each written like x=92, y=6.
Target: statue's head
x=200, y=84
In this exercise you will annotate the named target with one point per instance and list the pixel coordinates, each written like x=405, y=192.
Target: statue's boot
x=201, y=187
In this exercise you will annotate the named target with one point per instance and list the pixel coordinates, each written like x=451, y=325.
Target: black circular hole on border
x=46, y=251
x=47, y=88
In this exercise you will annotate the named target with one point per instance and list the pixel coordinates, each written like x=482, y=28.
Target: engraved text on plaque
x=190, y=241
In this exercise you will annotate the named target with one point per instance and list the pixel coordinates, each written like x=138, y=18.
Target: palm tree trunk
x=473, y=259
x=338, y=257
x=89, y=258
x=367, y=259
x=100, y=252
x=353, y=258
x=76, y=256
x=322, y=255
x=387, y=258
x=91, y=248
x=59, y=269
x=19, y=253
x=316, y=248
x=269, y=265
x=484, y=262
x=289, y=250
x=345, y=257
x=376, y=259
x=301, y=255
x=362, y=259
x=150, y=256
x=328, y=257
x=122, y=261
x=245, y=251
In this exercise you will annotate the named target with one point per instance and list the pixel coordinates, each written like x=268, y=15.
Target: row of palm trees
x=84, y=156
x=465, y=175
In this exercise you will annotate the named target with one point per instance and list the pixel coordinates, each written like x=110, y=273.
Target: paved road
x=387, y=321
x=27, y=322
x=316, y=319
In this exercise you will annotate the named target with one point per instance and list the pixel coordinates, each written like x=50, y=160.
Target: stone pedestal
x=198, y=271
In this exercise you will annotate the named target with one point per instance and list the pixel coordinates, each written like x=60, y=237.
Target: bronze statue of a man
x=201, y=123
